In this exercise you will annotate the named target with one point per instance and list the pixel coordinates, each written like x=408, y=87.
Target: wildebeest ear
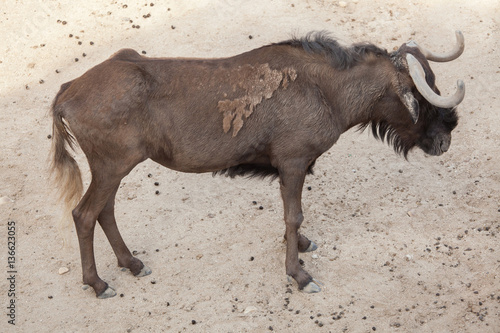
x=411, y=104
x=402, y=86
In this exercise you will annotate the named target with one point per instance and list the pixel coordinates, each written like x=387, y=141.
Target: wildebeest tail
x=65, y=170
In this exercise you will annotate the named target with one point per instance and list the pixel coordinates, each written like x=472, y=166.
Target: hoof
x=311, y=288
x=144, y=271
x=311, y=247
x=108, y=293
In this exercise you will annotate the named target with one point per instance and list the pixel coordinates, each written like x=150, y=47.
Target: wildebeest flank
x=286, y=103
x=259, y=83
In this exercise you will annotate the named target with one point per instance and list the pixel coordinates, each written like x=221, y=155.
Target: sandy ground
x=404, y=246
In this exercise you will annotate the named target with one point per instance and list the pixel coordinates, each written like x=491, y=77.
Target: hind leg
x=108, y=224
x=98, y=203
x=85, y=215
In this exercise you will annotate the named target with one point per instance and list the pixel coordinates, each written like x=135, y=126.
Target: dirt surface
x=404, y=246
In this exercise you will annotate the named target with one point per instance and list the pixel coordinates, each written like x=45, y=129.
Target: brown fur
x=260, y=84
x=286, y=104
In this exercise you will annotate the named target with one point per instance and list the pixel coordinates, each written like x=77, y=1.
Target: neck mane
x=339, y=57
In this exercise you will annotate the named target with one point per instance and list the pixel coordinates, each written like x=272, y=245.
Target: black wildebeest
x=271, y=111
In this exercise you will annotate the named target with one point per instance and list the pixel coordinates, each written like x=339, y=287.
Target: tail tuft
x=67, y=175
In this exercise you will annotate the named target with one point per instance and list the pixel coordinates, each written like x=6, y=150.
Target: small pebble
x=63, y=270
x=49, y=136
x=157, y=184
x=193, y=322
x=91, y=43
x=157, y=192
x=173, y=27
x=250, y=309
x=261, y=208
x=50, y=297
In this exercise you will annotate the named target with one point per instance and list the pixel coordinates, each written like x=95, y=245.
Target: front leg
x=291, y=183
x=305, y=245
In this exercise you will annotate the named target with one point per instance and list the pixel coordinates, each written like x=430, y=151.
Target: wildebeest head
x=433, y=116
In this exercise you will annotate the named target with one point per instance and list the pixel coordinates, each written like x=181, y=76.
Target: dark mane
x=384, y=132
x=320, y=42
x=254, y=171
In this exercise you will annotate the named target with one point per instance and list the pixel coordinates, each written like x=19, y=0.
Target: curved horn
x=452, y=55
x=418, y=76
